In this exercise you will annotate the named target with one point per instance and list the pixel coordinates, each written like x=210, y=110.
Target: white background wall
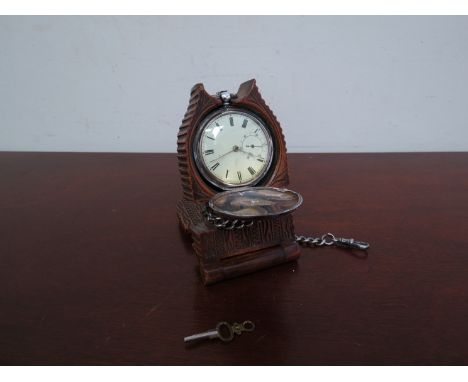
x=335, y=83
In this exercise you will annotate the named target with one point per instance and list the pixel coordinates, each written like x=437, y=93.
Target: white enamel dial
x=234, y=148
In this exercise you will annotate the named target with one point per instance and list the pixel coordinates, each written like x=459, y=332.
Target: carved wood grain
x=200, y=104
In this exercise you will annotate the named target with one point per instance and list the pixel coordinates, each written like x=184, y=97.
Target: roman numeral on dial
x=231, y=121
x=208, y=152
x=212, y=168
x=239, y=175
x=244, y=124
x=251, y=170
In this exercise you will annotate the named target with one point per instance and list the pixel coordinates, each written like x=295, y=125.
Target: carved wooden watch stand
x=224, y=253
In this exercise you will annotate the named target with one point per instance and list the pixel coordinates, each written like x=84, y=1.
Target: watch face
x=233, y=148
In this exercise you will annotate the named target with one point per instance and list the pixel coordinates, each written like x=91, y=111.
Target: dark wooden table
x=94, y=268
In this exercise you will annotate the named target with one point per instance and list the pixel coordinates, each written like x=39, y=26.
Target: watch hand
x=249, y=154
x=252, y=146
x=235, y=148
x=213, y=160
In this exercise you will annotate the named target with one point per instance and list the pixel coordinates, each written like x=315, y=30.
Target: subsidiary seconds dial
x=234, y=148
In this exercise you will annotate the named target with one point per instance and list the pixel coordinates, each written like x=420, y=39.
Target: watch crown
x=225, y=96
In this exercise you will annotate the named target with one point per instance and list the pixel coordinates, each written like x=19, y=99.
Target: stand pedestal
x=223, y=254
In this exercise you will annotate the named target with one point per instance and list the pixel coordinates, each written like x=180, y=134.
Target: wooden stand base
x=248, y=263
x=224, y=254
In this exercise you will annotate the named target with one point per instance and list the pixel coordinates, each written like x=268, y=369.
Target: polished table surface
x=94, y=268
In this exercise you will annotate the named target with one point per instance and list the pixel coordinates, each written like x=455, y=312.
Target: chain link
x=219, y=222
x=330, y=239
x=307, y=241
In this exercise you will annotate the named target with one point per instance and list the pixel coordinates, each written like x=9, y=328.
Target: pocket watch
x=233, y=147
x=228, y=141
